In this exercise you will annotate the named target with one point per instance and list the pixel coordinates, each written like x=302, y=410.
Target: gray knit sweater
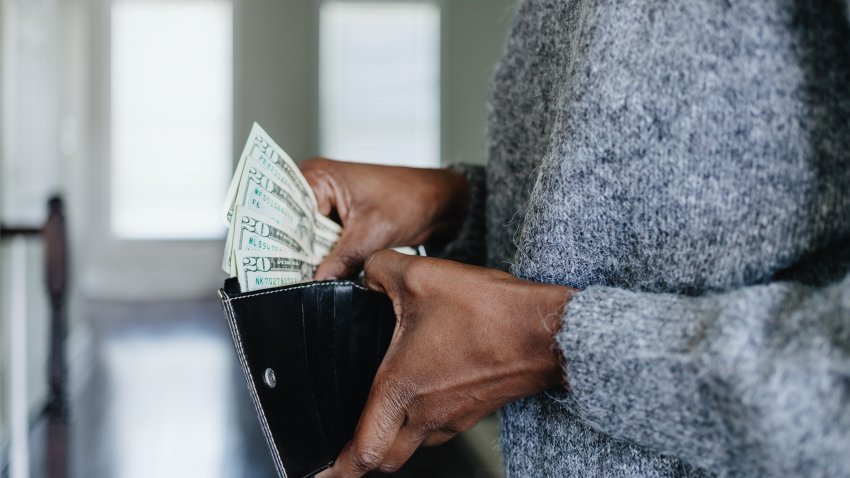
x=687, y=164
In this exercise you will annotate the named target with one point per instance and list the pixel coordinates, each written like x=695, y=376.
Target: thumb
x=345, y=258
x=383, y=270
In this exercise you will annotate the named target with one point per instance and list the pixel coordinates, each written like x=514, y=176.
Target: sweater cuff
x=629, y=358
x=743, y=381
x=468, y=245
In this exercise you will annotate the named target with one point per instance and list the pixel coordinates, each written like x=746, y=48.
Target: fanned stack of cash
x=276, y=234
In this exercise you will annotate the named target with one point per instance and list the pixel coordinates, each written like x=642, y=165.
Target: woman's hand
x=468, y=340
x=383, y=206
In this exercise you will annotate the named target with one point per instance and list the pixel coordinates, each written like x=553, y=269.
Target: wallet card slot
x=316, y=314
x=344, y=361
x=362, y=365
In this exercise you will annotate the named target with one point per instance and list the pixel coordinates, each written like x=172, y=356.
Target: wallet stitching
x=305, y=286
x=253, y=389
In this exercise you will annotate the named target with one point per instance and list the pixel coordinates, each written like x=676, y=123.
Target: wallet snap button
x=270, y=378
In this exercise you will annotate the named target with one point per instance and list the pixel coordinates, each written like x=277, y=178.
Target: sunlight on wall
x=171, y=117
x=380, y=82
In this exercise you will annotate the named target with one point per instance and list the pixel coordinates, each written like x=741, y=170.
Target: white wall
x=276, y=72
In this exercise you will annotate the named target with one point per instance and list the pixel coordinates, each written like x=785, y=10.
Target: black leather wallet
x=309, y=353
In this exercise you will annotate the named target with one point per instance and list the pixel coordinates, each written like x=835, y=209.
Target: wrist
x=544, y=305
x=522, y=320
x=453, y=203
x=554, y=300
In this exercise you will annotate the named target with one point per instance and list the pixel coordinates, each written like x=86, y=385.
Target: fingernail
x=332, y=278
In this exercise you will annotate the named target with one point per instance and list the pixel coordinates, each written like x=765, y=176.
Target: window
x=379, y=82
x=171, y=117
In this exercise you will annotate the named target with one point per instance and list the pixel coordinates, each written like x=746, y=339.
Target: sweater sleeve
x=469, y=244
x=754, y=382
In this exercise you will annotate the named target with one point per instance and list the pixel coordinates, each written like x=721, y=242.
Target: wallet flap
x=268, y=332
x=309, y=353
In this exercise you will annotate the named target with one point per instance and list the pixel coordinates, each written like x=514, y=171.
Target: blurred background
x=120, y=126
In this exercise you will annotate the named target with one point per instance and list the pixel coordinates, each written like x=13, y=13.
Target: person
x=665, y=222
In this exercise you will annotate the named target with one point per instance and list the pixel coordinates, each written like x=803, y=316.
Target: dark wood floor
x=164, y=397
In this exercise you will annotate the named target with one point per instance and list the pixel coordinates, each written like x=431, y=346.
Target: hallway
x=164, y=397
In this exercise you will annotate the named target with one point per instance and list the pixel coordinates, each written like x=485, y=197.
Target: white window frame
x=130, y=164
x=132, y=269
x=322, y=108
